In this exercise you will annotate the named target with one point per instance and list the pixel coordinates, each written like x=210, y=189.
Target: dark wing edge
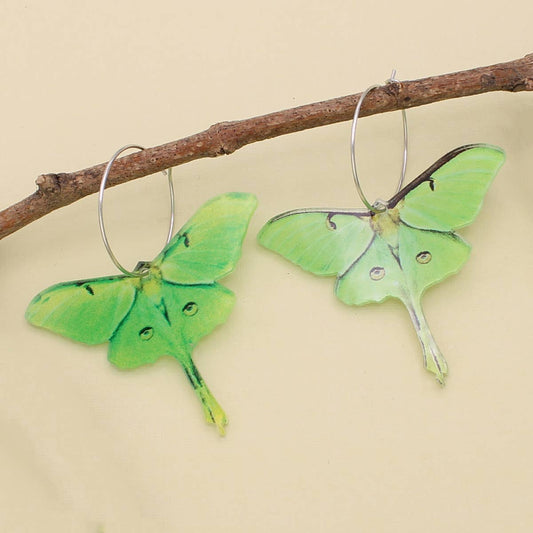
x=360, y=213
x=426, y=175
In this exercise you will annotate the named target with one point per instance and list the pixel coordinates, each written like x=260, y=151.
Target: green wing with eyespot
x=172, y=326
x=423, y=258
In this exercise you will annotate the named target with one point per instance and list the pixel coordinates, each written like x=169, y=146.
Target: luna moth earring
x=393, y=249
x=162, y=307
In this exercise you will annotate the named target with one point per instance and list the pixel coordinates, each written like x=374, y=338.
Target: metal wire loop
x=378, y=206
x=142, y=271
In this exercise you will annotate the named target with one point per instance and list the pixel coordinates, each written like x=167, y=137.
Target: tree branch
x=57, y=190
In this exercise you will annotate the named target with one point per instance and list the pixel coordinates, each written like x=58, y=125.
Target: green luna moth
x=168, y=309
x=400, y=248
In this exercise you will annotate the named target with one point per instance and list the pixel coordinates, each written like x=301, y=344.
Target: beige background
x=334, y=424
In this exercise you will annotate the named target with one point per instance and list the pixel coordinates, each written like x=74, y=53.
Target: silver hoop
x=376, y=207
x=140, y=272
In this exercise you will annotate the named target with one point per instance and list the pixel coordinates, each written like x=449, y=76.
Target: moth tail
x=214, y=414
x=433, y=359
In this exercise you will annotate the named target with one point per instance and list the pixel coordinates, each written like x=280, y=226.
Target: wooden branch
x=57, y=190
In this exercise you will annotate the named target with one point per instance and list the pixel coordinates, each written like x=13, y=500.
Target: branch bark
x=57, y=190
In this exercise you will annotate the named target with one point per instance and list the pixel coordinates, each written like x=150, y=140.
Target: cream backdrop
x=334, y=424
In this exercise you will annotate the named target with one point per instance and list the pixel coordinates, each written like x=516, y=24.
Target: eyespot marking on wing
x=146, y=333
x=377, y=273
x=190, y=309
x=424, y=257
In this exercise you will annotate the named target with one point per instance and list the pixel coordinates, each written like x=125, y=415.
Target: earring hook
x=142, y=271
x=375, y=208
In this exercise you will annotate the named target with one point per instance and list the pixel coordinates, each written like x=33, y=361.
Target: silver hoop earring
x=141, y=269
x=376, y=207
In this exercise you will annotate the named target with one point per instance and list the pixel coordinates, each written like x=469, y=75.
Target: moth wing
x=428, y=257
x=423, y=258
x=209, y=244
x=195, y=310
x=319, y=241
x=450, y=193
x=143, y=336
x=87, y=311
x=373, y=277
x=185, y=314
